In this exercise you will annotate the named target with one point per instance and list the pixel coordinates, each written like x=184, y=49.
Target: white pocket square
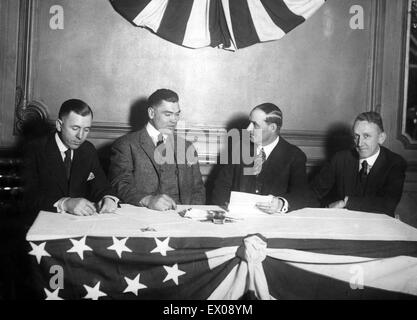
x=91, y=176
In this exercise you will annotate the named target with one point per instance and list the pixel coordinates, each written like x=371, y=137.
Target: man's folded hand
x=79, y=207
x=161, y=202
x=107, y=205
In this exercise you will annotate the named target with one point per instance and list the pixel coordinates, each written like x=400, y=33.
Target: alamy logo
x=357, y=20
x=238, y=149
x=57, y=20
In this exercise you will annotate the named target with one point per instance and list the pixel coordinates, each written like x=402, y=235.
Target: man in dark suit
x=367, y=178
x=279, y=168
x=153, y=167
x=62, y=171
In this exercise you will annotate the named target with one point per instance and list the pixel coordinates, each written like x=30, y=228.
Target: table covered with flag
x=138, y=253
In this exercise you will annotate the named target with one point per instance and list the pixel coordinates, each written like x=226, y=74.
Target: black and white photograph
x=208, y=154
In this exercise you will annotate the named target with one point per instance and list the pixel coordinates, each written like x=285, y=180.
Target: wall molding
x=26, y=108
x=407, y=141
x=376, y=56
x=113, y=130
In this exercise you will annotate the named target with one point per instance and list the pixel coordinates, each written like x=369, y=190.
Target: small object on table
x=217, y=216
x=182, y=213
x=147, y=229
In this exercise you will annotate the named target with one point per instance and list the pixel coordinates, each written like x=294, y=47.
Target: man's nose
x=80, y=134
x=359, y=141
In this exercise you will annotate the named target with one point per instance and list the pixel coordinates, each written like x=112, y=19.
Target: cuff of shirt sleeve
x=285, y=205
x=59, y=205
x=346, y=200
x=115, y=199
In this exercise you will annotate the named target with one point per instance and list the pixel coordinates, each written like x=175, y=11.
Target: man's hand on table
x=107, y=205
x=339, y=204
x=79, y=207
x=160, y=202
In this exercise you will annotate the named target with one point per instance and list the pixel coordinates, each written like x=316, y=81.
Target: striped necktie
x=259, y=161
x=160, y=140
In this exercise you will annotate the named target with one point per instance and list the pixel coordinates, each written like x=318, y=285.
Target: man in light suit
x=62, y=171
x=279, y=168
x=367, y=178
x=137, y=173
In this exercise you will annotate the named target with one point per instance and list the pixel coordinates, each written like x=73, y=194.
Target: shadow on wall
x=138, y=114
x=31, y=130
x=138, y=118
x=337, y=138
x=240, y=121
x=36, y=128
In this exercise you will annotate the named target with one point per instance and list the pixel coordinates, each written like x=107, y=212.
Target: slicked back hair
x=273, y=113
x=371, y=117
x=75, y=105
x=162, y=95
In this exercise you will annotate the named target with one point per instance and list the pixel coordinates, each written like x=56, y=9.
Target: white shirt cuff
x=115, y=199
x=59, y=205
x=285, y=205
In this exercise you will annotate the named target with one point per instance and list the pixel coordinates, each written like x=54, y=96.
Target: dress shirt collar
x=268, y=148
x=62, y=147
x=154, y=133
x=370, y=160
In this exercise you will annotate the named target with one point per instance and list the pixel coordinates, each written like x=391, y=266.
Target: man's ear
x=58, y=125
x=151, y=112
x=382, y=137
x=273, y=126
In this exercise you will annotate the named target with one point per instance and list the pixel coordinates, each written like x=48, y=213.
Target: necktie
x=67, y=163
x=259, y=161
x=263, y=155
x=364, y=170
x=160, y=140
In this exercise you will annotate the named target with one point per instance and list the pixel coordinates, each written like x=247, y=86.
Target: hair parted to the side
x=273, y=113
x=371, y=117
x=75, y=105
x=162, y=95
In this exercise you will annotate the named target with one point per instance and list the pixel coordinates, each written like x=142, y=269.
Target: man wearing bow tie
x=138, y=170
x=367, y=178
x=278, y=169
x=62, y=170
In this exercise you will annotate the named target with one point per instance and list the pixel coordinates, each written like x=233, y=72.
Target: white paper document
x=242, y=204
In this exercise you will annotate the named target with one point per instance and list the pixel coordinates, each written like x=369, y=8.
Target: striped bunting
x=217, y=23
x=226, y=268
x=271, y=273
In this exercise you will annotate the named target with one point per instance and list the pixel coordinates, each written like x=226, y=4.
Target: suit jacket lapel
x=247, y=182
x=146, y=143
x=55, y=163
x=273, y=163
x=376, y=169
x=351, y=175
